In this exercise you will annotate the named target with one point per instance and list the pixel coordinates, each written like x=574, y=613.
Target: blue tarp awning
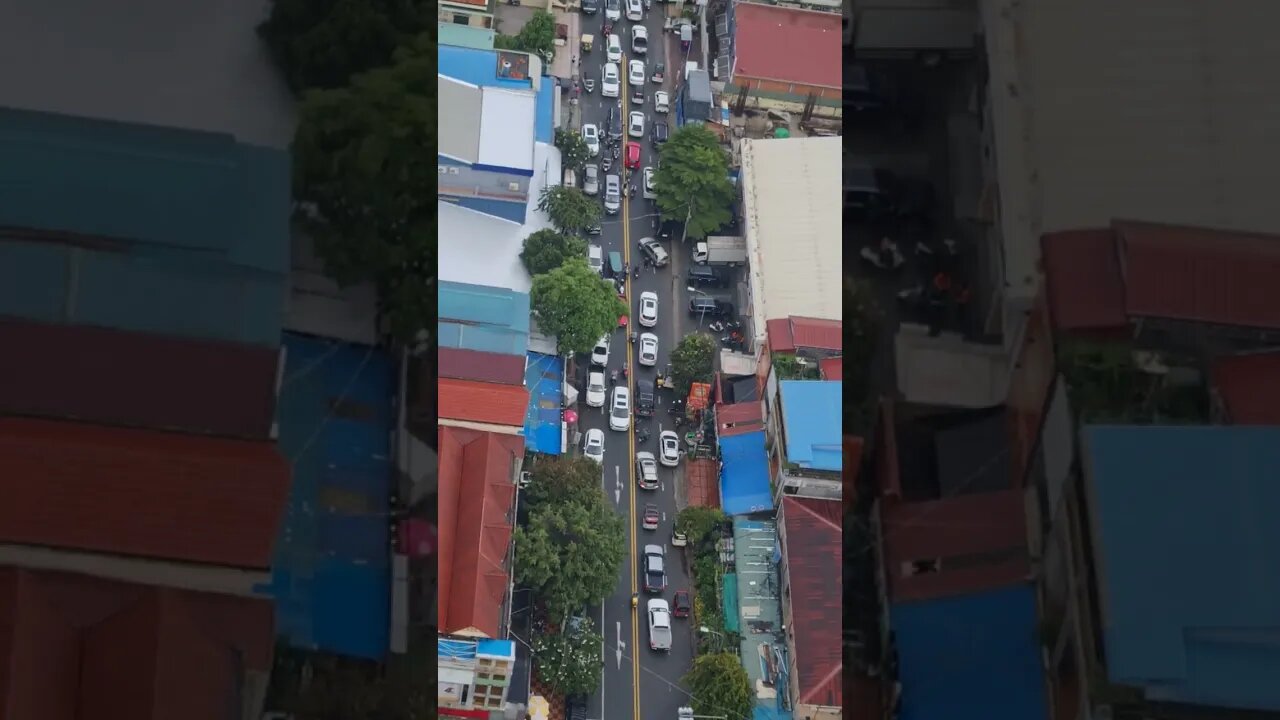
x=744, y=479
x=544, y=377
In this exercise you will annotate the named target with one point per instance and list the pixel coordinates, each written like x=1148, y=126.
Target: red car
x=680, y=604
x=633, y=155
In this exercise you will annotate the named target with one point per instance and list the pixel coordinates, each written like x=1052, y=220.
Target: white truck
x=720, y=250
x=659, y=625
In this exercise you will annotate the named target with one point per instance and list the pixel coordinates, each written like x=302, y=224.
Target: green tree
x=720, y=686
x=692, y=181
x=562, y=480
x=546, y=250
x=569, y=661
x=324, y=43
x=570, y=554
x=364, y=188
x=576, y=305
x=574, y=152
x=697, y=522
x=691, y=360
x=571, y=211
x=341, y=688
x=538, y=35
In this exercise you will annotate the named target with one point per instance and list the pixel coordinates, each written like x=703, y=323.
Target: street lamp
x=708, y=631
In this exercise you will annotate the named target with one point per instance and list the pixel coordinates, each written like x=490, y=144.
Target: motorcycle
x=716, y=326
x=732, y=324
x=887, y=258
x=642, y=435
x=617, y=152
x=607, y=163
x=590, y=85
x=635, y=273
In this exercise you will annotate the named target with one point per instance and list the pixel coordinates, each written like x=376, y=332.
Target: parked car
x=646, y=470
x=659, y=73
x=600, y=353
x=655, y=571
x=595, y=257
x=593, y=445
x=669, y=448
x=610, y=80
x=612, y=194
x=635, y=124
x=648, y=349
x=649, y=191
x=591, y=134
x=639, y=39
x=590, y=7
x=659, y=132
x=661, y=102
x=635, y=73
x=595, y=389
x=710, y=307
x=659, y=625
x=591, y=178
x=680, y=604
x=874, y=194
x=678, y=538
x=655, y=252
x=651, y=515
x=620, y=409
x=707, y=276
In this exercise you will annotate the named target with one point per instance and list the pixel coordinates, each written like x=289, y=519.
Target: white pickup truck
x=659, y=625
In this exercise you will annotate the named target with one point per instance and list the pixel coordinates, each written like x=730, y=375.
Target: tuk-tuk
x=615, y=264
x=587, y=41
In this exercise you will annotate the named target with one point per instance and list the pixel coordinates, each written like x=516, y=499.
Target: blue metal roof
x=971, y=657
x=481, y=338
x=488, y=306
x=496, y=648
x=544, y=377
x=1186, y=552
x=811, y=414
x=480, y=67
x=744, y=476
x=196, y=228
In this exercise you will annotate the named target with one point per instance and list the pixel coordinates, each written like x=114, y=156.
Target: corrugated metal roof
x=1200, y=275
x=811, y=415
x=959, y=531
x=1189, y=604
x=971, y=657
x=146, y=494
x=482, y=305
x=506, y=122
x=1249, y=386
x=113, y=377
x=817, y=333
x=482, y=366
x=831, y=368
x=788, y=45
x=779, y=332
x=482, y=338
x=738, y=418
x=477, y=491
x=482, y=402
x=1082, y=273
x=811, y=534
x=703, y=482
x=116, y=650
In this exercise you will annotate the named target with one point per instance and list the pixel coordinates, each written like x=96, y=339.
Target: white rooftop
x=791, y=203
x=508, y=122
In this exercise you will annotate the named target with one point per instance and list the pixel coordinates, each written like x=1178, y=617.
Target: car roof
x=657, y=549
x=643, y=455
x=621, y=391
x=648, y=336
x=595, y=432
x=648, y=294
x=593, y=375
x=658, y=603
x=669, y=433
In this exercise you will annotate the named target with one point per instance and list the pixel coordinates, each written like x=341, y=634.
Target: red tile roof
x=739, y=418
x=703, y=483
x=1249, y=386
x=481, y=366
x=1085, y=288
x=981, y=540
x=779, y=335
x=136, y=379
x=79, y=648
x=1200, y=275
x=831, y=368
x=811, y=536
x=482, y=402
x=788, y=45
x=139, y=493
x=817, y=333
x=477, y=491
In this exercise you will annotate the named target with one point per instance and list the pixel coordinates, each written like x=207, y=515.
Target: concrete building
x=471, y=14
x=474, y=674
x=805, y=457
x=809, y=541
x=486, y=147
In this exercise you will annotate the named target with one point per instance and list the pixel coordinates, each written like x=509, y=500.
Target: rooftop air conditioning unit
x=523, y=482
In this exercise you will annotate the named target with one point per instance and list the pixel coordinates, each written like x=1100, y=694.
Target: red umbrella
x=570, y=416
x=622, y=321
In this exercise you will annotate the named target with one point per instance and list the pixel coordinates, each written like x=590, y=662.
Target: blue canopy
x=744, y=479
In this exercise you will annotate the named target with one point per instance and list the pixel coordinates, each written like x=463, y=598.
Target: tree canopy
x=569, y=661
x=697, y=522
x=691, y=360
x=720, y=686
x=570, y=209
x=576, y=305
x=538, y=36
x=341, y=688
x=324, y=43
x=364, y=185
x=574, y=152
x=564, y=479
x=570, y=554
x=546, y=250
x=692, y=181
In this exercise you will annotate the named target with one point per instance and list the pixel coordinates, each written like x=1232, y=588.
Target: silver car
x=612, y=194
x=591, y=179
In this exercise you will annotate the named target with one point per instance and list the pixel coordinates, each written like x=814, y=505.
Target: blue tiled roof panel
x=744, y=474
x=811, y=412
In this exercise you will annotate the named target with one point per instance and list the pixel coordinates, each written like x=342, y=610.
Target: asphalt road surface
x=638, y=682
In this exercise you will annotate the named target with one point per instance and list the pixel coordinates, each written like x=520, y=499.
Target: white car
x=593, y=445
x=613, y=51
x=635, y=11
x=600, y=353
x=669, y=448
x=612, y=194
x=649, y=191
x=646, y=471
x=635, y=73
x=610, y=81
x=613, y=10
x=591, y=178
x=639, y=39
x=654, y=251
x=635, y=124
x=648, y=349
x=659, y=624
x=591, y=134
x=595, y=257
x=595, y=389
x=661, y=102
x=648, y=308
x=620, y=410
